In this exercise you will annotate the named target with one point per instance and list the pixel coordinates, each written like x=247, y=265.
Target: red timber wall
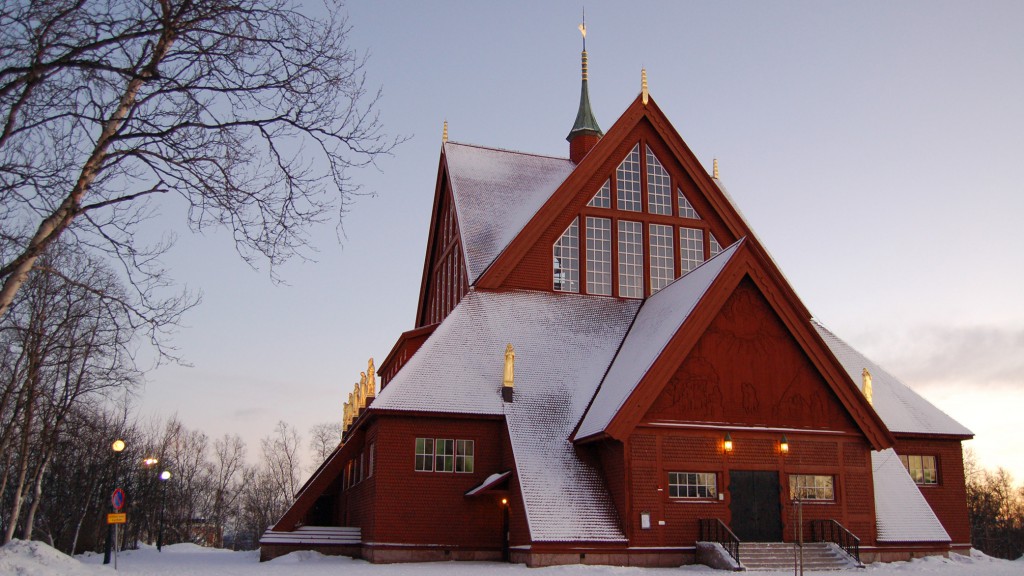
x=407, y=515
x=746, y=376
x=534, y=271
x=948, y=498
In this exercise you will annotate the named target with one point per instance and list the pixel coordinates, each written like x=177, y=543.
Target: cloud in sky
x=985, y=356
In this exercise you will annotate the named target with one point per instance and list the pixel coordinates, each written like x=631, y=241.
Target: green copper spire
x=585, y=121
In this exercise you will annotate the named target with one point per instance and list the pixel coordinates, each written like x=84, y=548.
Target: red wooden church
x=608, y=367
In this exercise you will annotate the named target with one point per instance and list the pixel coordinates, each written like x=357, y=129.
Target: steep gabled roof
x=660, y=317
x=902, y=409
x=901, y=512
x=676, y=321
x=563, y=343
x=496, y=193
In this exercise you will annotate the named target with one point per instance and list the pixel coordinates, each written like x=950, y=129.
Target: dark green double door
x=755, y=505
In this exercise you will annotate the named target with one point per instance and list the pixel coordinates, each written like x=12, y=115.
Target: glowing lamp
x=150, y=462
x=784, y=445
x=727, y=444
x=118, y=445
x=165, y=475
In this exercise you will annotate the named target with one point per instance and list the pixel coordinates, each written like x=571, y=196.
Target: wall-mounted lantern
x=784, y=445
x=727, y=443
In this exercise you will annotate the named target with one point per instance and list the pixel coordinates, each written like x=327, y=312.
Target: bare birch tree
x=251, y=112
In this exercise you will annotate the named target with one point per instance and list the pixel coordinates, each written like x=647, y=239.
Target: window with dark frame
x=923, y=469
x=424, y=455
x=464, y=456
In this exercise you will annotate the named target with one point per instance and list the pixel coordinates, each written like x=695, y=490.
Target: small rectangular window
x=922, y=469
x=424, y=454
x=369, y=469
x=464, y=456
x=692, y=485
x=444, y=455
x=631, y=259
x=811, y=487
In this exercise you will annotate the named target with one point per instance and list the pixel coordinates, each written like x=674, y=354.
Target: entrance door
x=756, y=515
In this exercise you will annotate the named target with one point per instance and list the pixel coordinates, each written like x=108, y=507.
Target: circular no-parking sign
x=117, y=499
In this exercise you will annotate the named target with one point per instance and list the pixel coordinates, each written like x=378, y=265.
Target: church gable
x=748, y=370
x=638, y=212
x=445, y=280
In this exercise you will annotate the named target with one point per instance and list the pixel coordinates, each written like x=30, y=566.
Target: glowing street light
x=164, y=477
x=118, y=447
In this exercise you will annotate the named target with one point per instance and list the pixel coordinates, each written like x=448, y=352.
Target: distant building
x=608, y=367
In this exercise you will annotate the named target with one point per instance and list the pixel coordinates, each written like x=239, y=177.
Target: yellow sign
x=117, y=518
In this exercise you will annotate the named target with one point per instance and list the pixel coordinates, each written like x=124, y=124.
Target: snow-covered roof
x=901, y=512
x=659, y=319
x=902, y=409
x=561, y=354
x=496, y=193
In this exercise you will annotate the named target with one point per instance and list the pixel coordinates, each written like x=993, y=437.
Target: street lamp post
x=164, y=477
x=117, y=447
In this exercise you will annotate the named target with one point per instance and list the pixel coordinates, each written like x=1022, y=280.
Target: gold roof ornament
x=868, y=392
x=444, y=133
x=510, y=367
x=371, y=380
x=643, y=86
x=715, y=169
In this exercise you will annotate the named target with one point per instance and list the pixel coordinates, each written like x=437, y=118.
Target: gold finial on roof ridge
x=510, y=362
x=444, y=133
x=715, y=169
x=643, y=85
x=868, y=391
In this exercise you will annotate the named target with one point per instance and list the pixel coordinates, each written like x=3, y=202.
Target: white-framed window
x=444, y=455
x=686, y=209
x=659, y=186
x=691, y=248
x=603, y=197
x=424, y=455
x=692, y=485
x=599, y=256
x=627, y=181
x=631, y=259
x=663, y=265
x=464, y=456
x=714, y=247
x=922, y=469
x=566, y=252
x=812, y=487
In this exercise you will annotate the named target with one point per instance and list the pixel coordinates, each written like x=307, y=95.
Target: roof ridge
x=508, y=150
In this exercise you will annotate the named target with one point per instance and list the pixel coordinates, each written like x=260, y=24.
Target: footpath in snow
x=20, y=558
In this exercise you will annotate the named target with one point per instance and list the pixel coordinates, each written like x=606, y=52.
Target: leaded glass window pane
x=662, y=256
x=659, y=186
x=714, y=246
x=599, y=256
x=424, y=454
x=627, y=181
x=603, y=197
x=566, y=275
x=691, y=248
x=631, y=259
x=686, y=209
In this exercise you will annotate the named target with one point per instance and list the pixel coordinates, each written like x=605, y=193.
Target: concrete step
x=780, y=556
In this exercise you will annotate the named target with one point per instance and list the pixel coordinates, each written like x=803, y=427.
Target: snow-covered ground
x=20, y=558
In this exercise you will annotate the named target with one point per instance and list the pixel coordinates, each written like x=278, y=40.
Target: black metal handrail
x=713, y=530
x=833, y=531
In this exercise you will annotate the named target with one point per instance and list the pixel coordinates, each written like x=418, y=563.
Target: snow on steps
x=779, y=556
x=314, y=535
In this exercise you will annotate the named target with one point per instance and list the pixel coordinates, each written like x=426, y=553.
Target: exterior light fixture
x=150, y=462
x=118, y=445
x=504, y=501
x=164, y=477
x=727, y=443
x=784, y=445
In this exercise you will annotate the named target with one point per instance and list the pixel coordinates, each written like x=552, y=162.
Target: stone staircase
x=779, y=556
